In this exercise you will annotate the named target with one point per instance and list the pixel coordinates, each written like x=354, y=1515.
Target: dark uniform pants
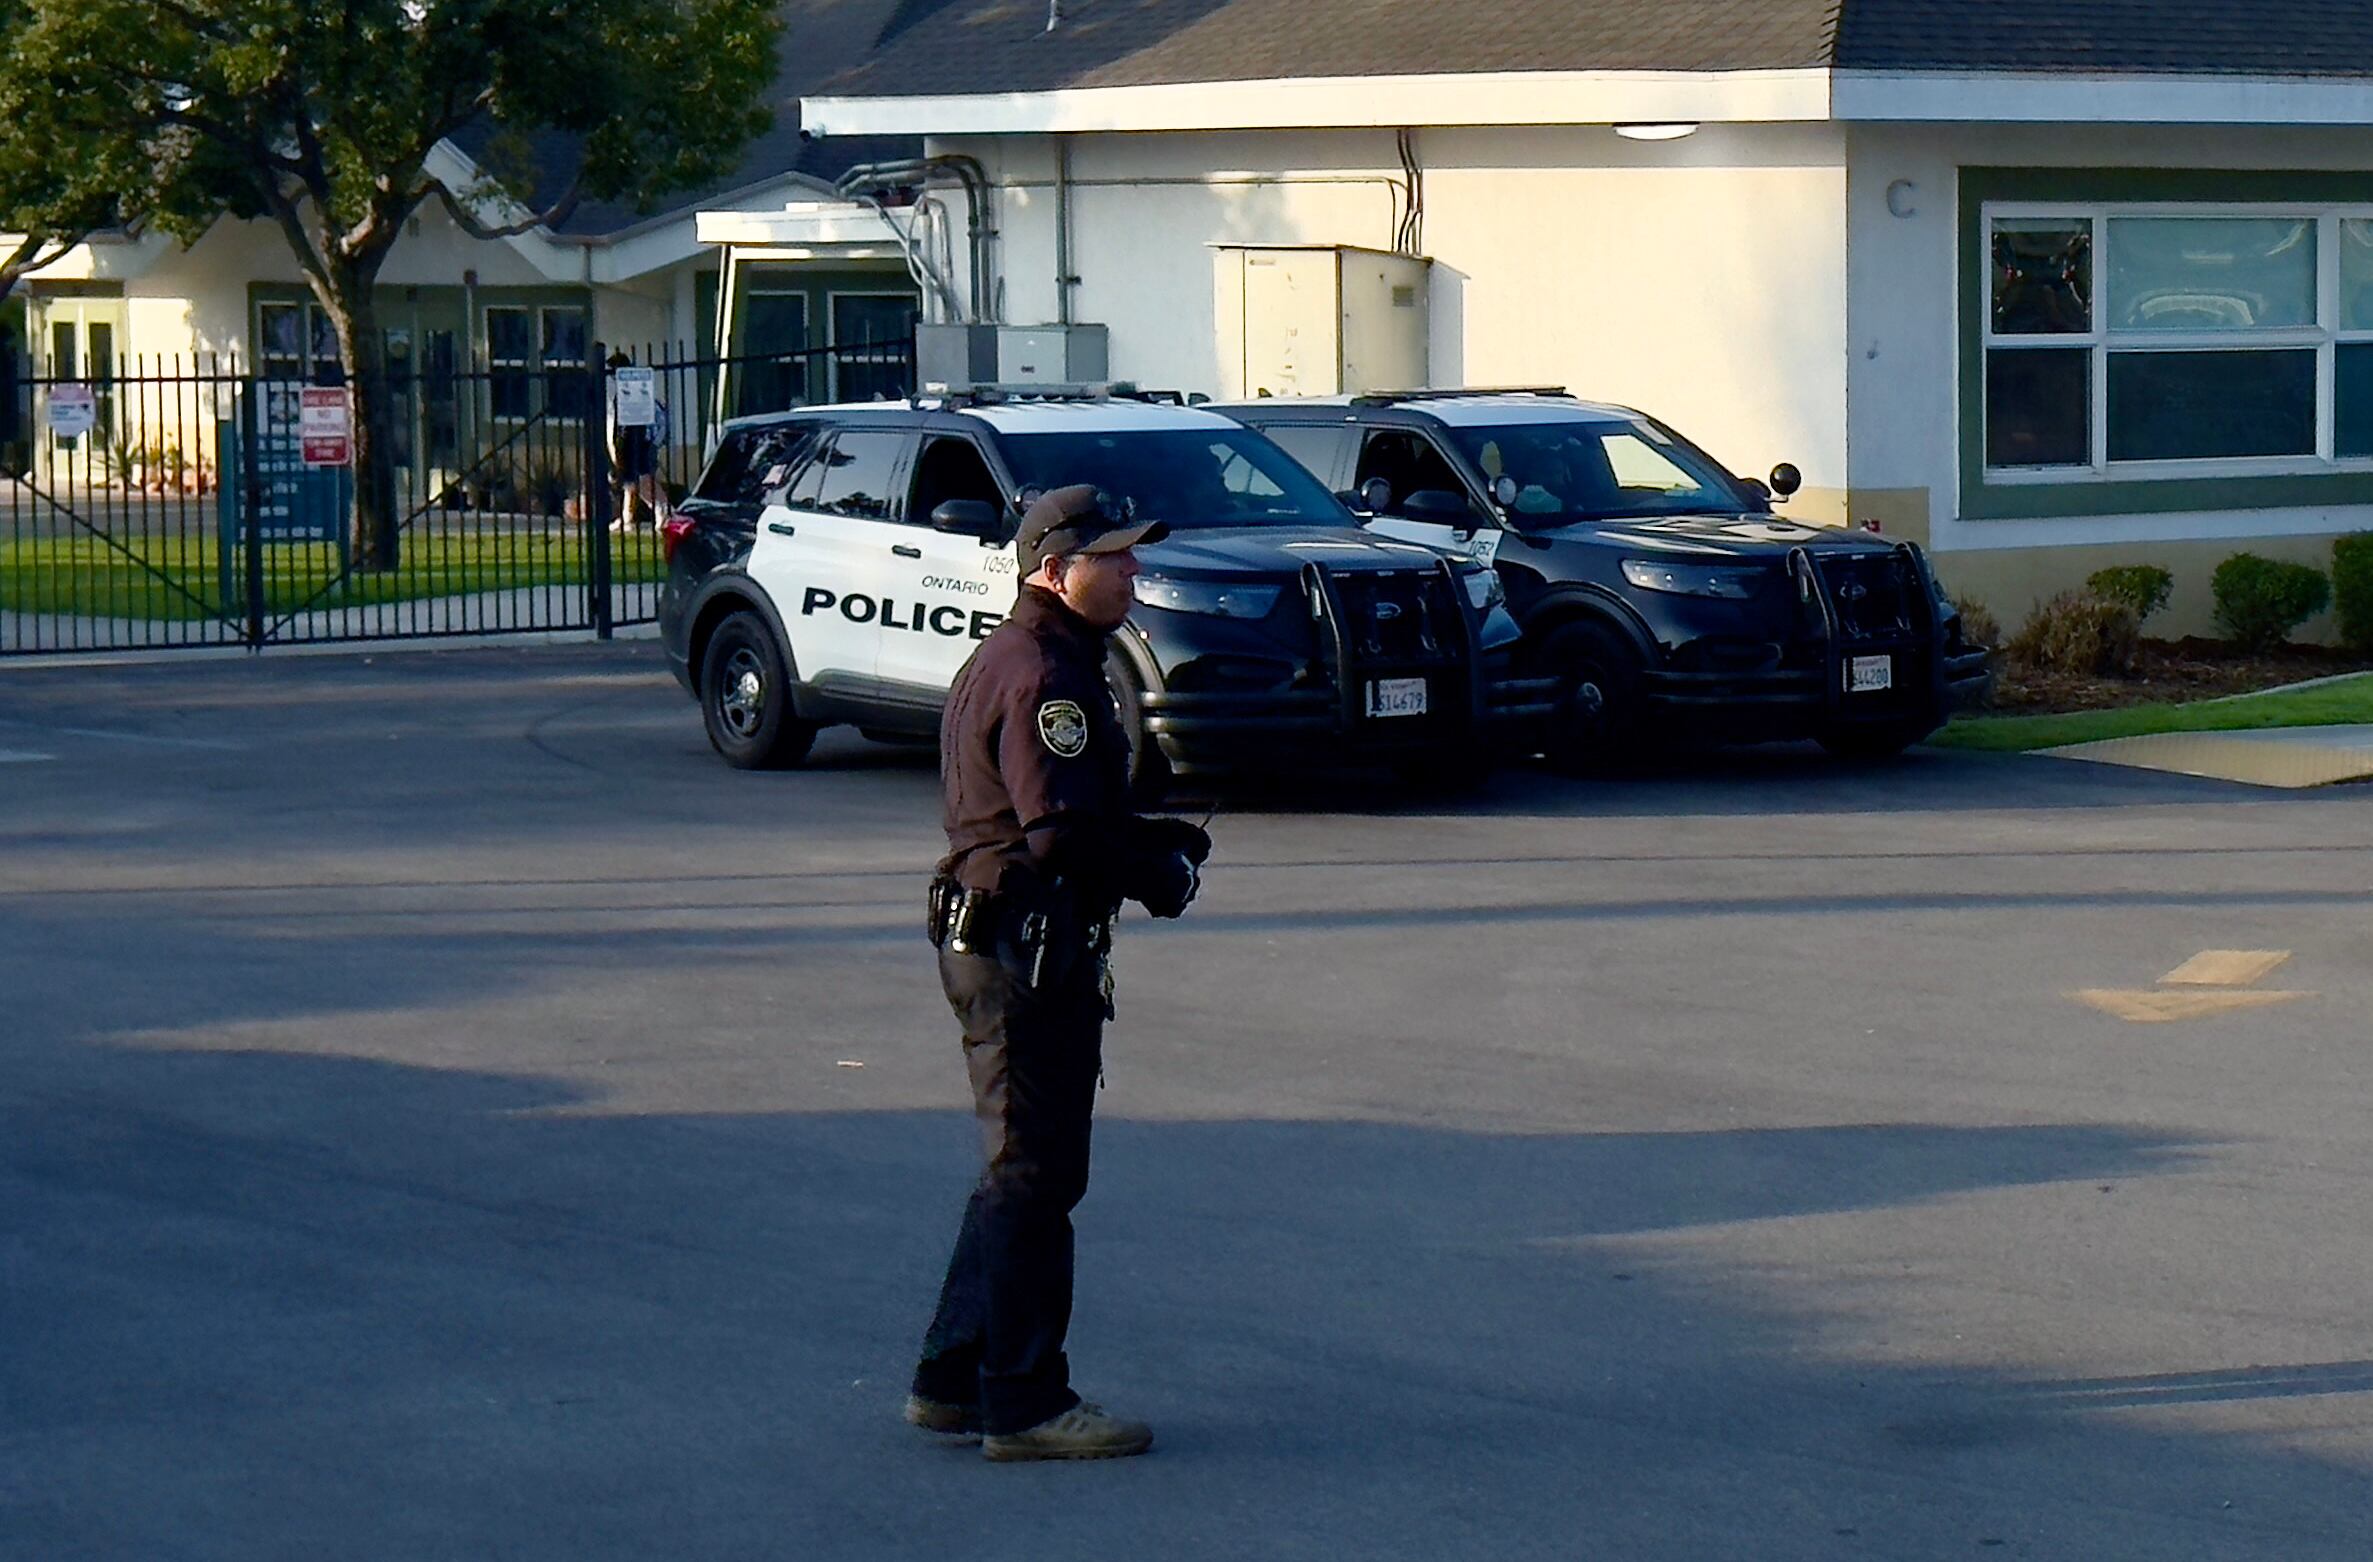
x=1005, y=1307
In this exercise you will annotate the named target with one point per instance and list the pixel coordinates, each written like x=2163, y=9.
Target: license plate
x=1868, y=674
x=1396, y=697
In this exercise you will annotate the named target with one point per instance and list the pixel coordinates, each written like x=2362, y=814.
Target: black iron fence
x=159, y=503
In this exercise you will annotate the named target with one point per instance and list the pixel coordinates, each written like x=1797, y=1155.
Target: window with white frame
x=2135, y=341
x=535, y=360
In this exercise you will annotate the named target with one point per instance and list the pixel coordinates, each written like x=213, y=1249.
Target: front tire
x=1596, y=726
x=745, y=698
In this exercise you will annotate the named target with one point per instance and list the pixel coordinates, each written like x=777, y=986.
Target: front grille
x=1875, y=595
x=1392, y=616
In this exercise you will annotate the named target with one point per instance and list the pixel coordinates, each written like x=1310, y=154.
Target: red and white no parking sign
x=325, y=426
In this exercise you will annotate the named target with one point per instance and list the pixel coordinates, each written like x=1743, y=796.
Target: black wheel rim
x=1586, y=700
x=741, y=693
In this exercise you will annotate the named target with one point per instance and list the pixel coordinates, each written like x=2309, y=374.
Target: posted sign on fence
x=325, y=426
x=73, y=411
x=638, y=400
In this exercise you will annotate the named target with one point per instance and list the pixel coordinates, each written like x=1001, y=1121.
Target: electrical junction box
x=1053, y=355
x=955, y=354
x=1319, y=320
x=960, y=354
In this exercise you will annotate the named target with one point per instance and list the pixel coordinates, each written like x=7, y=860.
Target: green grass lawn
x=173, y=578
x=2348, y=702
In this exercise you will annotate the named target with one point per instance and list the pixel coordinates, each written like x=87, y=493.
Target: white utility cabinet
x=1319, y=319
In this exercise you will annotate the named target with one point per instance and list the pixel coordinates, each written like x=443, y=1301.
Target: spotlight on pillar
x=1672, y=132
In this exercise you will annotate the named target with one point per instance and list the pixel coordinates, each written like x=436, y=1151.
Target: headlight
x=1206, y=596
x=1692, y=580
x=1485, y=589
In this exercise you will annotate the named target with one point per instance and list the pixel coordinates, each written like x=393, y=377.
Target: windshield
x=1577, y=471
x=1187, y=477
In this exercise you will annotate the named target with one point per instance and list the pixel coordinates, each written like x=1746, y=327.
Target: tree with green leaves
x=320, y=117
x=56, y=188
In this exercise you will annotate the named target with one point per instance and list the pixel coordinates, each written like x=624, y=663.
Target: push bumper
x=1931, y=676
x=1321, y=722
x=1472, y=697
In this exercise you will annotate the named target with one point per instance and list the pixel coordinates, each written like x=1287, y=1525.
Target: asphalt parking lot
x=446, y=1114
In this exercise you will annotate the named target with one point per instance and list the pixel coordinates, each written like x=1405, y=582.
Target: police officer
x=1043, y=847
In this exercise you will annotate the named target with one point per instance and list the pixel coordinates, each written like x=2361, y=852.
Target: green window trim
x=2033, y=498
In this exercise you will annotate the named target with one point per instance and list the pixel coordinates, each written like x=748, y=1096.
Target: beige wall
x=1701, y=279
x=2011, y=581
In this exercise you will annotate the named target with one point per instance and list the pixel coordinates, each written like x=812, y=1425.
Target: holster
x=1040, y=937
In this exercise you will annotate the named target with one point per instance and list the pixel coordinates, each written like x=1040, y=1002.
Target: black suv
x=1662, y=593
x=837, y=564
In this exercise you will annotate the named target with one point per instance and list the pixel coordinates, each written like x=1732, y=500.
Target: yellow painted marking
x=2157, y=1007
x=2226, y=968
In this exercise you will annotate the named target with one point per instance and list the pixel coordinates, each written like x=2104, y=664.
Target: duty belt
x=969, y=921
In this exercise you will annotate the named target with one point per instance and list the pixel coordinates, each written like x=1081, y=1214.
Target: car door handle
x=781, y=528
x=905, y=552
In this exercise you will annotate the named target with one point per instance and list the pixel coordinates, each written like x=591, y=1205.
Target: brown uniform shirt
x=1034, y=764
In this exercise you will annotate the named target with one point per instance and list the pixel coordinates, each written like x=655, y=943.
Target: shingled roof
x=820, y=39
x=955, y=47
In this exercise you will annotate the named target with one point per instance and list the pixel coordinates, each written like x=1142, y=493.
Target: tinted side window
x=949, y=468
x=856, y=475
x=751, y=464
x=1317, y=446
x=1408, y=462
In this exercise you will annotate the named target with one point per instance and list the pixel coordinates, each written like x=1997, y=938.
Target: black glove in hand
x=1176, y=835
x=1171, y=885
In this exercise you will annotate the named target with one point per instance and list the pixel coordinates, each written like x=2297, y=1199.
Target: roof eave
x=1302, y=103
x=1809, y=95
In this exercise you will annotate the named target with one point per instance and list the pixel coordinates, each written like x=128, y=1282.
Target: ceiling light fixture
x=1672, y=132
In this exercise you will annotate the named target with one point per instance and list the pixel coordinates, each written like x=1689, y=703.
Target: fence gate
x=158, y=503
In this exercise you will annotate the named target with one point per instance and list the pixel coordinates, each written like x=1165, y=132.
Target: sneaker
x=1083, y=1432
x=937, y=1415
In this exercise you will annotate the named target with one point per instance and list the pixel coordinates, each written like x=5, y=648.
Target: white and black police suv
x=838, y=565
x=1664, y=595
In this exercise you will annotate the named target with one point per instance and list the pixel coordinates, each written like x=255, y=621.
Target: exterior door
x=774, y=377
x=823, y=554
x=1408, y=462
x=81, y=340
x=949, y=589
x=870, y=337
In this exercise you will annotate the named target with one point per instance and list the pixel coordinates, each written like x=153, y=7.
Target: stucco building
x=2046, y=286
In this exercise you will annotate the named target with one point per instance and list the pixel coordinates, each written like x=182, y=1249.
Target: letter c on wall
x=1899, y=198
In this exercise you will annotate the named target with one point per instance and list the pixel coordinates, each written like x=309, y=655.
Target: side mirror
x=1504, y=490
x=1437, y=507
x=1375, y=496
x=970, y=517
x=1786, y=479
x=1757, y=486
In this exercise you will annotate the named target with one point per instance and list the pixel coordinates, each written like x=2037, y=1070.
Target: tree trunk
x=355, y=316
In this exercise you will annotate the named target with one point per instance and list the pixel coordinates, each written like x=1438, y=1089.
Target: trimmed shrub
x=2352, y=589
x=2142, y=587
x=2259, y=601
x=1978, y=625
x=2078, y=633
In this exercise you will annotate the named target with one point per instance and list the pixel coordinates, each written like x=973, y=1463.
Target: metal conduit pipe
x=1064, y=280
x=975, y=179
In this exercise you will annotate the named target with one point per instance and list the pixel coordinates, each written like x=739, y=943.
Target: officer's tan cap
x=1078, y=519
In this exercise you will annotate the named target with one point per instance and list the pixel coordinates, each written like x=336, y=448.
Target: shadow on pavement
x=275, y=1305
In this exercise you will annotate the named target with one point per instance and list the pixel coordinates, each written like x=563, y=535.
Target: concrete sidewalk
x=2270, y=756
